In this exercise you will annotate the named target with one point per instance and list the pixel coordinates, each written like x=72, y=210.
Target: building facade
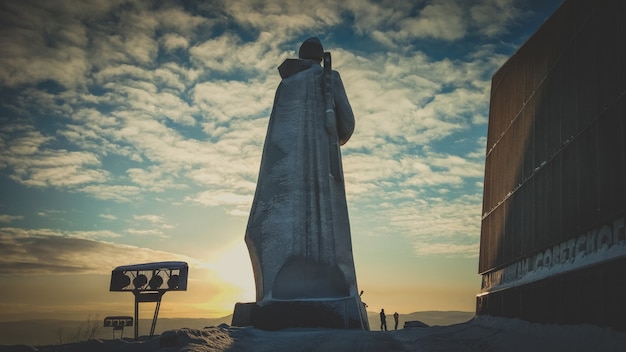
x=553, y=239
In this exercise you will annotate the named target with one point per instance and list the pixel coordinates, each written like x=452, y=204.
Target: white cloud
x=392, y=25
x=285, y=17
x=108, y=216
x=51, y=213
x=413, y=98
x=146, y=232
x=117, y=193
x=147, y=99
x=222, y=100
x=155, y=219
x=216, y=198
x=154, y=179
x=441, y=19
x=174, y=41
x=491, y=17
x=155, y=227
x=46, y=251
x=178, y=20
x=33, y=164
x=10, y=218
x=370, y=15
x=21, y=140
x=450, y=226
x=447, y=20
x=229, y=53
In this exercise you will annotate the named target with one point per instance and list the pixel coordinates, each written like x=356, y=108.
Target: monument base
x=343, y=313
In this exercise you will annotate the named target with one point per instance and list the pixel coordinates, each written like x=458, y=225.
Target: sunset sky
x=132, y=132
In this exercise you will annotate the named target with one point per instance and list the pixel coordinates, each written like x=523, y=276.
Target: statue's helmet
x=311, y=49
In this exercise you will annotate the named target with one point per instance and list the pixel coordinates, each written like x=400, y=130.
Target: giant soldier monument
x=298, y=232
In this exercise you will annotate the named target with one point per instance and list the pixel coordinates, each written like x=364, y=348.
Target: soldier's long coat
x=298, y=233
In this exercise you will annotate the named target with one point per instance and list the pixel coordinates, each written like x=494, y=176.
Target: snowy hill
x=479, y=334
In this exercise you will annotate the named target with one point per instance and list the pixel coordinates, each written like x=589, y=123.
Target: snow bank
x=485, y=333
x=479, y=334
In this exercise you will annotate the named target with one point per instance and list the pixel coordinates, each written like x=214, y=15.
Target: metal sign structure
x=148, y=282
x=118, y=323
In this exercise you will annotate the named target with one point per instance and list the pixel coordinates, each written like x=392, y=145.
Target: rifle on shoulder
x=336, y=171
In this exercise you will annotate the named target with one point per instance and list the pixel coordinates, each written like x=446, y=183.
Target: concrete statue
x=298, y=232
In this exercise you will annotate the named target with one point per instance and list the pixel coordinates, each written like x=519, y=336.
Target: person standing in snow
x=383, y=320
x=396, y=316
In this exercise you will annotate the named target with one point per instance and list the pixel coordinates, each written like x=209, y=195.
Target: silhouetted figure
x=383, y=320
x=298, y=232
x=395, y=318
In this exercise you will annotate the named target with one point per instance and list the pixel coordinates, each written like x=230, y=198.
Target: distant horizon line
x=224, y=317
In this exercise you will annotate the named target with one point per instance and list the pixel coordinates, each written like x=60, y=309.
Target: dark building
x=553, y=243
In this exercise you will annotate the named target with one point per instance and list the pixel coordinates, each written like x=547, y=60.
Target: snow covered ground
x=483, y=334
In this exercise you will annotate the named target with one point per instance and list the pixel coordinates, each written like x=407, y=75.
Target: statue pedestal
x=341, y=313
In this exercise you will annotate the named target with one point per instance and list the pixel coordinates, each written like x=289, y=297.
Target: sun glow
x=234, y=267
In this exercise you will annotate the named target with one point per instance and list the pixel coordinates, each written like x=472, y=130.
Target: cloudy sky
x=131, y=131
